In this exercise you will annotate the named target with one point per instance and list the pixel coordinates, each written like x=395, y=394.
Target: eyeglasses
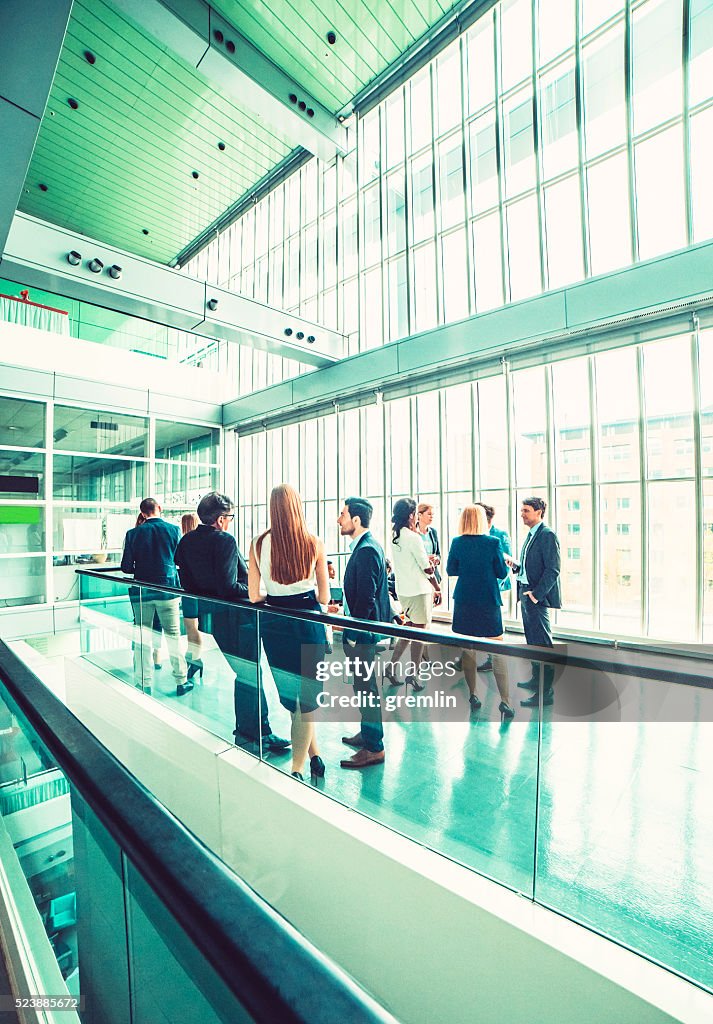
x=228, y=515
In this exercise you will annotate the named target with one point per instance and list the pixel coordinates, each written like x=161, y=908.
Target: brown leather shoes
x=364, y=759
x=354, y=741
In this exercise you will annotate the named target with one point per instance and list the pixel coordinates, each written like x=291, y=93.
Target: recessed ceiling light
x=42, y=187
x=89, y=57
x=195, y=174
x=221, y=146
x=331, y=38
x=73, y=104
x=145, y=231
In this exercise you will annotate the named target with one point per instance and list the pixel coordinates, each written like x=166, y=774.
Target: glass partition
x=582, y=785
x=624, y=823
x=197, y=656
x=451, y=770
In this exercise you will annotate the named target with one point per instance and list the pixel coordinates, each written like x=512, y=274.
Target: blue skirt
x=483, y=620
x=293, y=648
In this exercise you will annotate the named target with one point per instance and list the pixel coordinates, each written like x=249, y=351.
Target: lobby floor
x=608, y=822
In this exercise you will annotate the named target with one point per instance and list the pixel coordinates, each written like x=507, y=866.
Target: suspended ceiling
x=122, y=163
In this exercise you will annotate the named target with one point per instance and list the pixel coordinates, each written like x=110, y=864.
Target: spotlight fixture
x=218, y=36
x=230, y=46
x=73, y=104
x=114, y=271
x=212, y=305
x=74, y=258
x=42, y=187
x=96, y=266
x=331, y=38
x=310, y=112
x=292, y=98
x=144, y=231
x=221, y=146
x=311, y=339
x=300, y=335
x=302, y=105
x=89, y=57
x=195, y=174
x=288, y=331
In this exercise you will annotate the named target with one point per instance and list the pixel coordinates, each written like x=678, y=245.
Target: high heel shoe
x=298, y=775
x=415, y=682
x=316, y=766
x=195, y=668
x=475, y=704
x=505, y=710
x=390, y=675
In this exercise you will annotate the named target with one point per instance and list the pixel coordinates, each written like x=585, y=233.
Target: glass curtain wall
x=71, y=480
x=552, y=141
x=609, y=440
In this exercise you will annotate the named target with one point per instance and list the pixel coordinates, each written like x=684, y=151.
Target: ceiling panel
x=371, y=34
x=122, y=163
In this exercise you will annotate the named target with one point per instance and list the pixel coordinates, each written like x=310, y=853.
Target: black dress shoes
x=183, y=688
x=354, y=741
x=548, y=697
x=273, y=742
x=530, y=684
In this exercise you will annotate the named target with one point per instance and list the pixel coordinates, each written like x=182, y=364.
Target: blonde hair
x=293, y=549
x=473, y=520
x=189, y=522
x=424, y=507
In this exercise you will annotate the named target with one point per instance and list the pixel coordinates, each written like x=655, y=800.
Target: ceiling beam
x=31, y=40
x=234, y=66
x=36, y=256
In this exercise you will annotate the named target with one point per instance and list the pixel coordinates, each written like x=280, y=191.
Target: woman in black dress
x=291, y=565
x=477, y=560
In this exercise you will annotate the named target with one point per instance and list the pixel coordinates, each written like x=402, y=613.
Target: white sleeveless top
x=279, y=589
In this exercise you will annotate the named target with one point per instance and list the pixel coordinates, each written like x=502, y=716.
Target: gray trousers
x=168, y=612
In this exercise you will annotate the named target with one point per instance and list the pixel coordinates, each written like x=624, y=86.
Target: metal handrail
x=560, y=654
x=273, y=970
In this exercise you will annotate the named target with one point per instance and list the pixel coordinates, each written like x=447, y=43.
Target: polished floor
x=609, y=822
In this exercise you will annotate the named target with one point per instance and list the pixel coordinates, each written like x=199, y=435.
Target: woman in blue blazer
x=477, y=560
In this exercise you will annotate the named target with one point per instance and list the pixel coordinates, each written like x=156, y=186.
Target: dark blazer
x=542, y=568
x=365, y=582
x=210, y=564
x=149, y=552
x=477, y=560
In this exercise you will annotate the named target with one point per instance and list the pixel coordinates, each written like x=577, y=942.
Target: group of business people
x=287, y=568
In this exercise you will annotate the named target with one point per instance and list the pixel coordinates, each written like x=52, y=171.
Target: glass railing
x=100, y=884
x=592, y=798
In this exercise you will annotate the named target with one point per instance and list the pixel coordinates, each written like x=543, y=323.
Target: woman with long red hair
x=290, y=563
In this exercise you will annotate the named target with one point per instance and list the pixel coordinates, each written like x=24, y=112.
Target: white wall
x=433, y=941
x=88, y=361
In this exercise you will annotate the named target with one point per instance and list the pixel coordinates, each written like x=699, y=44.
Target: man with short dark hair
x=149, y=552
x=210, y=564
x=366, y=596
x=538, y=590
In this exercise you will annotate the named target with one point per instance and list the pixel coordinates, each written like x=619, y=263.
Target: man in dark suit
x=366, y=596
x=538, y=590
x=148, y=556
x=210, y=564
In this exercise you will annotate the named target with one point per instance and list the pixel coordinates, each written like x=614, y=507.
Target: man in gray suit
x=538, y=590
